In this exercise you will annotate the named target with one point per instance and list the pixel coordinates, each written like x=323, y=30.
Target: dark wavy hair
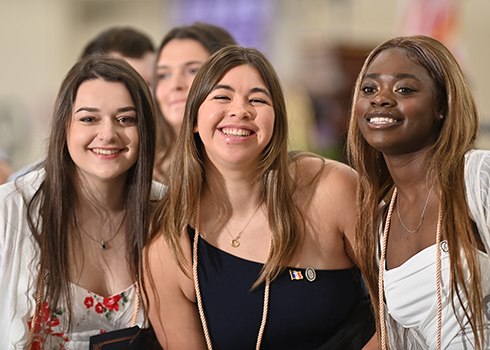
x=53, y=210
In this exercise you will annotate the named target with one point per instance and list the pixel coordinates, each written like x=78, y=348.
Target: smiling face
x=103, y=138
x=236, y=120
x=395, y=106
x=176, y=68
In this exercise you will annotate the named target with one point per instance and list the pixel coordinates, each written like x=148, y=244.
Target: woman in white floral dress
x=71, y=231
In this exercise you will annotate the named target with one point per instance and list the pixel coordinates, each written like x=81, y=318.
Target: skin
x=103, y=118
x=230, y=197
x=177, y=65
x=400, y=89
x=5, y=172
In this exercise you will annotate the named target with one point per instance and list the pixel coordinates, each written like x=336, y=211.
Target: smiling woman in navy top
x=252, y=245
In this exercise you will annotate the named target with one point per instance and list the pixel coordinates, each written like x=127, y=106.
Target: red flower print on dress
x=99, y=308
x=89, y=302
x=53, y=322
x=112, y=303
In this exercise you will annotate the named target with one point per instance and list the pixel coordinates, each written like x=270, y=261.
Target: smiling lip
x=107, y=153
x=238, y=132
x=382, y=120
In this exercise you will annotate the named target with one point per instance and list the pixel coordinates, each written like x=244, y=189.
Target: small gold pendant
x=102, y=245
x=235, y=243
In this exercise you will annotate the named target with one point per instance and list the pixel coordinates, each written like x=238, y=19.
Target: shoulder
x=21, y=189
x=311, y=169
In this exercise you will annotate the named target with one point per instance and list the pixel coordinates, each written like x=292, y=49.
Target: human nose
x=178, y=81
x=383, y=98
x=108, y=132
x=241, y=109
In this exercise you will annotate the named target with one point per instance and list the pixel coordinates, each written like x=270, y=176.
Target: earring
x=441, y=116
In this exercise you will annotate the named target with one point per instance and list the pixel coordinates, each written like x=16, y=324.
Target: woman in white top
x=413, y=125
x=72, y=230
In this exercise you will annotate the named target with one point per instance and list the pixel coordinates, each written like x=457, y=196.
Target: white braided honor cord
x=198, y=291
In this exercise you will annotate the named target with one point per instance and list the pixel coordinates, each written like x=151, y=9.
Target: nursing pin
x=310, y=274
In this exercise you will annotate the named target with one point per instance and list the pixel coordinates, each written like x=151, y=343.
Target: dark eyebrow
x=397, y=76
x=253, y=90
x=88, y=109
x=404, y=76
x=264, y=91
x=186, y=64
x=95, y=110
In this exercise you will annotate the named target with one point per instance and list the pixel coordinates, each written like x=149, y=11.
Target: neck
x=409, y=171
x=103, y=195
x=231, y=191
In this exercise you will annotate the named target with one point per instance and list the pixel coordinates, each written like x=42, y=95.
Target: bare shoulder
x=163, y=268
x=172, y=299
x=317, y=171
x=326, y=197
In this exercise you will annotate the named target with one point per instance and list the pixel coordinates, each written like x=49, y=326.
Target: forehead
x=396, y=62
x=99, y=92
x=182, y=50
x=243, y=75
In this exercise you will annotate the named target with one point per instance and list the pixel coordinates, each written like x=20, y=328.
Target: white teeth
x=381, y=120
x=105, y=151
x=236, y=132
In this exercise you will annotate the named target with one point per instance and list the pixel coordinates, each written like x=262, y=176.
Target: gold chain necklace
x=103, y=244
x=382, y=262
x=195, y=277
x=234, y=241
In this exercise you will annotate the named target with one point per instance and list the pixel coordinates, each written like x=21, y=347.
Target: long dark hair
x=53, y=210
x=212, y=38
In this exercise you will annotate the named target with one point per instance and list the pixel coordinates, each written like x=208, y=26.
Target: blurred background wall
x=317, y=47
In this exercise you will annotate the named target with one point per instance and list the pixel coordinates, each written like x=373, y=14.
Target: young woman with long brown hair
x=259, y=238
x=72, y=230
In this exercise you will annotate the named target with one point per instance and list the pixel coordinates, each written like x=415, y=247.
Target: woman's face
x=236, y=120
x=103, y=138
x=395, y=108
x=176, y=68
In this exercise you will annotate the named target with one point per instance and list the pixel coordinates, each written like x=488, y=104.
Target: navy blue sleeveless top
x=302, y=314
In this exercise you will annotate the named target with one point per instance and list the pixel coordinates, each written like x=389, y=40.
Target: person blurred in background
x=127, y=43
x=180, y=55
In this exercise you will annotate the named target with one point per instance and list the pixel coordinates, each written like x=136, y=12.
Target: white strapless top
x=411, y=295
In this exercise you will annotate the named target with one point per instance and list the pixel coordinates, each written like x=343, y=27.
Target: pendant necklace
x=421, y=216
x=195, y=277
x=103, y=244
x=234, y=241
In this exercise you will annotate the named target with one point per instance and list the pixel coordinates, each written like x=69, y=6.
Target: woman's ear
x=195, y=129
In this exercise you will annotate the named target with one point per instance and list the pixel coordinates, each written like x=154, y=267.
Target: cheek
x=360, y=107
x=161, y=93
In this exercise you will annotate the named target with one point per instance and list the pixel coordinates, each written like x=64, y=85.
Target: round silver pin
x=310, y=274
x=444, y=246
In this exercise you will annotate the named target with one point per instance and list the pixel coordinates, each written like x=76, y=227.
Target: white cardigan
x=19, y=259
